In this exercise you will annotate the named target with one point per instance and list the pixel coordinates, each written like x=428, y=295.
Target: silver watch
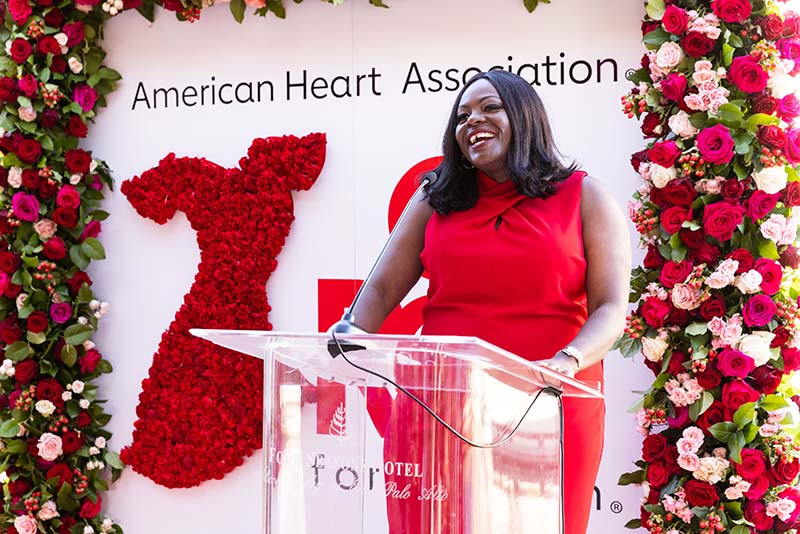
x=575, y=354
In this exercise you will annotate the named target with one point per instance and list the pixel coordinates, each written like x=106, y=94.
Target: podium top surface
x=401, y=357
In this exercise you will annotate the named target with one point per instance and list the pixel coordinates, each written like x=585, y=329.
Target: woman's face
x=483, y=131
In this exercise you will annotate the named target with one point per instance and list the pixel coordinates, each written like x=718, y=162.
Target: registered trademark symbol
x=616, y=507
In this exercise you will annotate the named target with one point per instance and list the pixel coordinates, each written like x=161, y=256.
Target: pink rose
x=49, y=446
x=20, y=11
x=74, y=32
x=25, y=524
x=759, y=310
x=85, y=96
x=61, y=312
x=791, y=146
x=746, y=73
x=771, y=275
x=68, y=197
x=732, y=10
x=25, y=206
x=92, y=230
x=675, y=20
x=734, y=363
x=789, y=107
x=673, y=87
x=45, y=229
x=716, y=144
x=720, y=219
x=738, y=392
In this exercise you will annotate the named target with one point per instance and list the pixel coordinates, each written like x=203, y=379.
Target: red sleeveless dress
x=511, y=270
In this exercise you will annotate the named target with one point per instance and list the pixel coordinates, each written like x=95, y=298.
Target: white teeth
x=480, y=136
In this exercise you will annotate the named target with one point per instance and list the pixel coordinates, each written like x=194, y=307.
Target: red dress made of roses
x=511, y=270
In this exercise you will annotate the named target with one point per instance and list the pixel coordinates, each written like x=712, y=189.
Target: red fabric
x=511, y=270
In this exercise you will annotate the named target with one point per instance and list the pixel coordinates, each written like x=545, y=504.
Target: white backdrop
x=372, y=141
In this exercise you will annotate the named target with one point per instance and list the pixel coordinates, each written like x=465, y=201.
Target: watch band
x=575, y=354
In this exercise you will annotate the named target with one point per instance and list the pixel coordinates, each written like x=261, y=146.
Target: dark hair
x=533, y=160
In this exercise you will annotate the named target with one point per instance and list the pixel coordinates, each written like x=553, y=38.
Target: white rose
x=75, y=65
x=84, y=403
x=15, y=176
x=45, y=407
x=756, y=345
x=749, y=282
x=50, y=446
x=48, y=511
x=66, y=396
x=718, y=280
x=108, y=524
x=25, y=524
x=100, y=442
x=679, y=123
x=653, y=349
x=77, y=386
x=781, y=85
x=771, y=180
x=661, y=176
x=669, y=56
x=27, y=113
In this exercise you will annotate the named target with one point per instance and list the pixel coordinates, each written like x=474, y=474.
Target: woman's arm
x=606, y=245
x=397, y=272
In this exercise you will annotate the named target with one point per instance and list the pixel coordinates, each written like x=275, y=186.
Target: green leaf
x=69, y=355
x=699, y=120
x=379, y=3
x=655, y=9
x=78, y=257
x=99, y=215
x=276, y=6
x=699, y=406
x=730, y=115
x=722, y=431
x=744, y=414
x=636, y=477
x=768, y=249
x=656, y=37
x=104, y=367
x=16, y=446
x=727, y=54
x=660, y=380
x=750, y=432
x=772, y=403
x=37, y=338
x=85, y=294
x=109, y=74
x=696, y=329
x=112, y=459
x=754, y=121
x=9, y=429
x=237, y=9
x=735, y=40
x=18, y=351
x=65, y=499
x=93, y=249
x=77, y=333
x=740, y=529
x=147, y=10
x=735, y=445
x=742, y=141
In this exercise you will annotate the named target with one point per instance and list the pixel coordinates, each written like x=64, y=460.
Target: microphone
x=347, y=324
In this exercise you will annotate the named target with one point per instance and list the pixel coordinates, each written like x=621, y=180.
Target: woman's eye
x=494, y=107
x=461, y=118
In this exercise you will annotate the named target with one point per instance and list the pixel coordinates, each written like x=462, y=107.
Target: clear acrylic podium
x=349, y=452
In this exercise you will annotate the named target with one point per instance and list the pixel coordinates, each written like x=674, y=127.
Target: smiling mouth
x=480, y=137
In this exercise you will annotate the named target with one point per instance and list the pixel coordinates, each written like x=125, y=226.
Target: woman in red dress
x=523, y=251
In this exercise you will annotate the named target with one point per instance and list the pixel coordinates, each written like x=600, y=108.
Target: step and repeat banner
x=379, y=84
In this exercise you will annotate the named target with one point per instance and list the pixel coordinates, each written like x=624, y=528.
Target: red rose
x=758, y=310
x=738, y=392
x=763, y=104
x=720, y=219
x=673, y=218
x=83, y=419
x=8, y=262
x=756, y=513
x=771, y=135
x=10, y=330
x=706, y=253
x=50, y=118
x=700, y=493
x=653, y=259
x=716, y=144
x=20, y=50
x=746, y=73
x=781, y=337
x=653, y=447
x=20, y=11
x=77, y=280
x=25, y=371
x=771, y=26
x=28, y=84
x=18, y=488
x=66, y=217
x=67, y=522
x=29, y=151
x=709, y=379
x=30, y=179
x=58, y=64
x=74, y=32
x=54, y=249
x=652, y=125
x=785, y=472
x=732, y=189
x=47, y=189
x=88, y=362
x=680, y=192
x=90, y=509
x=696, y=44
x=791, y=194
x=731, y=362
x=692, y=238
x=758, y=487
x=674, y=273
x=68, y=197
x=657, y=474
x=92, y=229
x=8, y=89
x=712, y=307
x=77, y=160
x=677, y=317
x=76, y=127
x=760, y=204
x=49, y=389
x=744, y=257
x=771, y=275
x=766, y=379
x=655, y=311
x=48, y=45
x=37, y=322
x=71, y=441
x=54, y=18
x=664, y=153
x=676, y=20
x=637, y=158
x=732, y=10
x=673, y=87
x=791, y=358
x=62, y=472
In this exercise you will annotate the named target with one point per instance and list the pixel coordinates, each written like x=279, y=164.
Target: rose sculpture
x=716, y=314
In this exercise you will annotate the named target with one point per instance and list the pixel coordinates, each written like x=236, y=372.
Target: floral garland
x=196, y=392
x=717, y=318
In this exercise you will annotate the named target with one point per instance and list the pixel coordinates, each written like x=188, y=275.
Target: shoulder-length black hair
x=533, y=160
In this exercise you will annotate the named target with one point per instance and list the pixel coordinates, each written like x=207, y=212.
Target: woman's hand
x=561, y=363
